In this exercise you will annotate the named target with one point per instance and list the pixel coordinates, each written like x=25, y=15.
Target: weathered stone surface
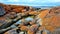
x=51, y=19
x=45, y=21
x=2, y=11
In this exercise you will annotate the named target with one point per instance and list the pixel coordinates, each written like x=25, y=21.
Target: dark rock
x=2, y=11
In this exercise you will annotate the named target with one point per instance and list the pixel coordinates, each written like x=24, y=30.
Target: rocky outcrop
x=16, y=19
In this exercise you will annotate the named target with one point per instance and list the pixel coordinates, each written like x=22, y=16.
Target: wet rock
x=4, y=30
x=13, y=31
x=11, y=15
x=21, y=33
x=5, y=23
x=2, y=21
x=2, y=11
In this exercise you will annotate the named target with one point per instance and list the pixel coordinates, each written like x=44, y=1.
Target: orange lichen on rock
x=16, y=8
x=50, y=20
x=41, y=28
x=2, y=18
x=24, y=28
x=44, y=33
x=32, y=29
x=33, y=13
x=43, y=13
x=30, y=32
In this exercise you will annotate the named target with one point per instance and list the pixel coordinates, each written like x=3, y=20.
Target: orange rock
x=30, y=32
x=32, y=29
x=24, y=28
x=50, y=28
x=6, y=33
x=2, y=18
x=43, y=13
x=50, y=20
x=41, y=28
x=17, y=10
x=33, y=13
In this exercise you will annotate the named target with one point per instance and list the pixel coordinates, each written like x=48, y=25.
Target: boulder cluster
x=16, y=19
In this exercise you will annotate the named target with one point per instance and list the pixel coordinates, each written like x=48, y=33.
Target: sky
x=32, y=2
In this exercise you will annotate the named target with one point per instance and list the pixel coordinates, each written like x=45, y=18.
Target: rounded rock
x=2, y=11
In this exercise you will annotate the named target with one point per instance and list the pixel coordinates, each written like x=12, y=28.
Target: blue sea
x=43, y=7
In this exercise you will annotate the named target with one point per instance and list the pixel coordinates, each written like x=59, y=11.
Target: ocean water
x=43, y=7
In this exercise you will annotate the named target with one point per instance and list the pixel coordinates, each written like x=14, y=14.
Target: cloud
x=32, y=2
x=13, y=0
x=36, y=4
x=51, y=1
x=54, y=0
x=20, y=0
